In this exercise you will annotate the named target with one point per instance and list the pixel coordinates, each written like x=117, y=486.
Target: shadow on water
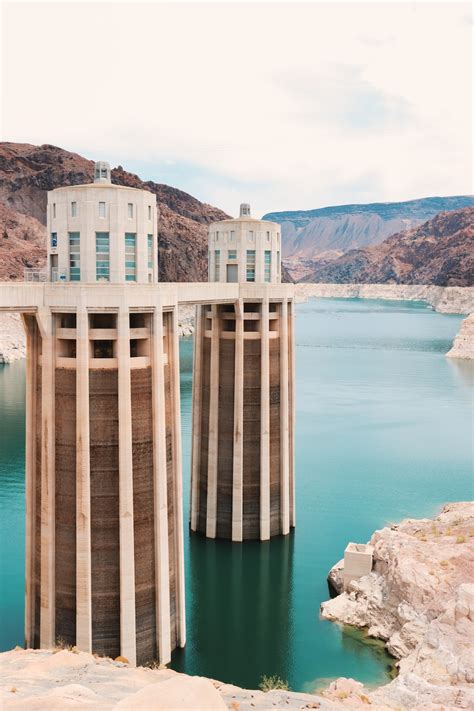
x=240, y=599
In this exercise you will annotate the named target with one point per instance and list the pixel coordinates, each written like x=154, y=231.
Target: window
x=268, y=265
x=232, y=254
x=103, y=172
x=130, y=210
x=101, y=209
x=54, y=240
x=217, y=236
x=74, y=209
x=74, y=256
x=278, y=262
x=250, y=265
x=232, y=235
x=217, y=265
x=102, y=256
x=268, y=236
x=149, y=212
x=150, y=251
x=130, y=256
x=251, y=236
x=54, y=209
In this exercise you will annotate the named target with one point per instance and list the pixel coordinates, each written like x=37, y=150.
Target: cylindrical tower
x=102, y=232
x=243, y=391
x=104, y=556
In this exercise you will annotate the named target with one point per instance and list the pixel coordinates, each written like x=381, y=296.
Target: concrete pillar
x=162, y=580
x=292, y=413
x=47, y=615
x=197, y=407
x=178, y=477
x=237, y=473
x=284, y=421
x=265, y=423
x=83, y=487
x=127, y=550
x=211, y=522
x=30, y=473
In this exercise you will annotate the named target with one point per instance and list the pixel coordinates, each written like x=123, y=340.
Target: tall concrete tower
x=243, y=390
x=103, y=447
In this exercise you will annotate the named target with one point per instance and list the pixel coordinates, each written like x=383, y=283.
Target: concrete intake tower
x=104, y=534
x=243, y=390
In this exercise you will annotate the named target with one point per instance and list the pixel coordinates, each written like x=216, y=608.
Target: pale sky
x=283, y=105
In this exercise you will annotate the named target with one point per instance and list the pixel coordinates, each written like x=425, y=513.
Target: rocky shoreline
x=463, y=346
x=419, y=599
x=445, y=299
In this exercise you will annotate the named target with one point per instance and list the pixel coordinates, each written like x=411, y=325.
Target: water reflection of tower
x=241, y=597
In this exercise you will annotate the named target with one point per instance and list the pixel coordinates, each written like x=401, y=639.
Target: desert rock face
x=440, y=252
x=419, y=599
x=463, y=346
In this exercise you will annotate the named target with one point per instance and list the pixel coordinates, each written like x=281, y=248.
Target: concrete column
x=211, y=522
x=127, y=549
x=292, y=414
x=162, y=578
x=284, y=421
x=83, y=487
x=197, y=407
x=265, y=423
x=237, y=473
x=47, y=619
x=178, y=477
x=30, y=474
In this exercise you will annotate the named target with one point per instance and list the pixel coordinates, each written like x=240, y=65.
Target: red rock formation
x=441, y=252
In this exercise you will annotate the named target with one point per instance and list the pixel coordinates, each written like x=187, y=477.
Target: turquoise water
x=384, y=426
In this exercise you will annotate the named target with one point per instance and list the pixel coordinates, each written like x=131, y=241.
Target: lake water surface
x=384, y=424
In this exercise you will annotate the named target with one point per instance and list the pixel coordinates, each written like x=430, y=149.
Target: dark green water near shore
x=384, y=426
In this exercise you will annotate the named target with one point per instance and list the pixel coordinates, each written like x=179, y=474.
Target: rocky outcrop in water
x=419, y=599
x=463, y=346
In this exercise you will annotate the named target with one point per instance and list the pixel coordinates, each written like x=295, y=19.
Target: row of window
x=102, y=210
x=102, y=251
x=250, y=234
x=250, y=264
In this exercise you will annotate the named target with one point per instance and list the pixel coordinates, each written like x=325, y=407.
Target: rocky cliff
x=419, y=599
x=309, y=234
x=26, y=174
x=440, y=251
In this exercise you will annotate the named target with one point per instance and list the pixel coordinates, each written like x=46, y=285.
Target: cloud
x=285, y=105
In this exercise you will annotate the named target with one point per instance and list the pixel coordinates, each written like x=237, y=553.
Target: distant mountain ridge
x=331, y=231
x=440, y=252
